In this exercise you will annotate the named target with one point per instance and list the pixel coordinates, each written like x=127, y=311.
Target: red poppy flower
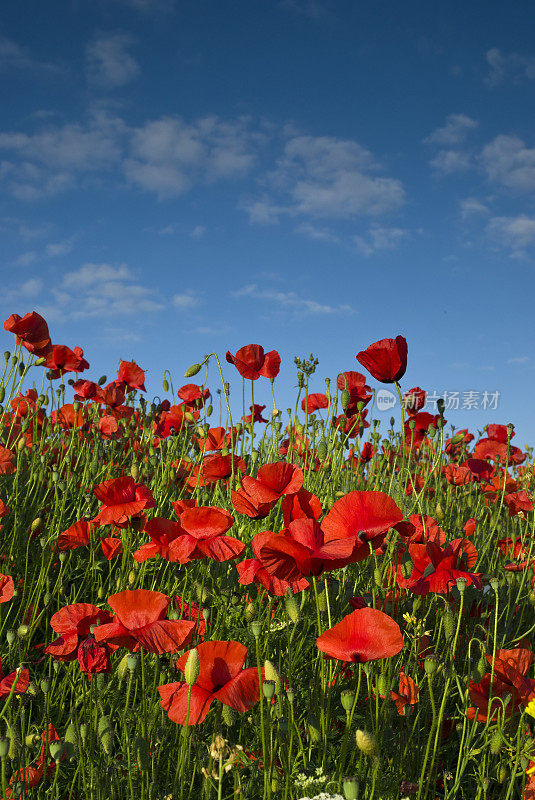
x=121, y=498
x=93, y=657
x=407, y=694
x=77, y=535
x=140, y=621
x=253, y=570
x=6, y=461
x=214, y=468
x=112, y=547
x=73, y=623
x=251, y=362
x=457, y=474
x=300, y=505
x=436, y=569
x=510, y=669
x=363, y=517
x=193, y=395
x=255, y=415
x=86, y=390
x=301, y=551
x=62, y=359
x=22, y=679
x=221, y=677
x=364, y=635
x=359, y=391
x=31, y=331
x=131, y=375
x=313, y=402
x=108, y=426
x=426, y=529
x=162, y=532
x=518, y=502
x=414, y=400
x=7, y=588
x=385, y=360
x=203, y=536
x=498, y=433
x=272, y=481
x=216, y=439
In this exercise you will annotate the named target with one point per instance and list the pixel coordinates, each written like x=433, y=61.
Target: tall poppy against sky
x=31, y=331
x=221, y=677
x=139, y=620
x=251, y=362
x=364, y=635
x=385, y=360
x=121, y=499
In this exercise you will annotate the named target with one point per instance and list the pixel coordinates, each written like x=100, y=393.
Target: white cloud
x=454, y=131
x=290, y=300
x=380, y=238
x=25, y=259
x=319, y=234
x=518, y=360
x=329, y=178
x=167, y=155
x=472, y=206
x=13, y=56
x=186, y=300
x=198, y=232
x=512, y=66
x=509, y=162
x=108, y=62
x=449, y=161
x=55, y=249
x=516, y=233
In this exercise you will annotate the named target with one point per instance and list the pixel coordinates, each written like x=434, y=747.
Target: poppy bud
x=496, y=743
x=382, y=686
x=192, y=668
x=314, y=730
x=165, y=385
x=141, y=749
x=4, y=747
x=351, y=788
x=102, y=380
x=272, y=675
x=377, y=577
x=71, y=741
x=209, y=410
x=502, y=773
x=132, y=661
x=105, y=735
x=23, y=631
x=193, y=370
x=348, y=698
x=31, y=740
x=283, y=725
x=13, y=734
x=366, y=742
x=449, y=624
x=439, y=512
x=479, y=670
x=134, y=472
x=249, y=612
x=21, y=444
x=229, y=716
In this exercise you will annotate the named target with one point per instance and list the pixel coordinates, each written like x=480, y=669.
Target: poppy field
x=198, y=602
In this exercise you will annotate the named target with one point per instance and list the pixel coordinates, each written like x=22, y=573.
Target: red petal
x=364, y=635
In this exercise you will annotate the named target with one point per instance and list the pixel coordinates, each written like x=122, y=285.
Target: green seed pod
x=322, y=450
x=272, y=675
x=348, y=698
x=193, y=370
x=141, y=749
x=56, y=750
x=430, y=665
x=7, y=355
x=105, y=735
x=268, y=689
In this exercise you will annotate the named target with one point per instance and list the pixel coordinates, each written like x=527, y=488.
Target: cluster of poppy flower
x=312, y=542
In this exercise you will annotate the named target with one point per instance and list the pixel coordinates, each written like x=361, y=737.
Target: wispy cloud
x=508, y=66
x=380, y=238
x=518, y=360
x=291, y=301
x=471, y=206
x=515, y=233
x=186, y=300
x=454, y=131
x=509, y=162
x=15, y=56
x=108, y=62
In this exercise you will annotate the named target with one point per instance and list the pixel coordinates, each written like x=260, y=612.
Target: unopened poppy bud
x=83, y=732
x=283, y=725
x=7, y=355
x=193, y=370
x=21, y=444
x=165, y=385
x=56, y=750
x=192, y=668
x=249, y=612
x=31, y=740
x=134, y=471
x=382, y=686
x=531, y=597
x=430, y=665
x=377, y=577
x=348, y=698
x=366, y=742
x=209, y=410
x=272, y=675
x=496, y=743
x=292, y=607
x=141, y=749
x=229, y=716
x=449, y=624
x=132, y=661
x=351, y=788
x=314, y=729
x=10, y=636
x=502, y=773
x=71, y=741
x=345, y=397
x=105, y=735
x=439, y=512
x=322, y=450
x=268, y=689
x=4, y=747
x=479, y=670
x=102, y=380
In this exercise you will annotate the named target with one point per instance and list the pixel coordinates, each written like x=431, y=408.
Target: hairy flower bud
x=192, y=668
x=366, y=742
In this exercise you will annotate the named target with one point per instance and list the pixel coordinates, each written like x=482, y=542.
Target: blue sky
x=183, y=177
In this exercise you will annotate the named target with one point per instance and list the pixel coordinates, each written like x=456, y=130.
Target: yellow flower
x=530, y=708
